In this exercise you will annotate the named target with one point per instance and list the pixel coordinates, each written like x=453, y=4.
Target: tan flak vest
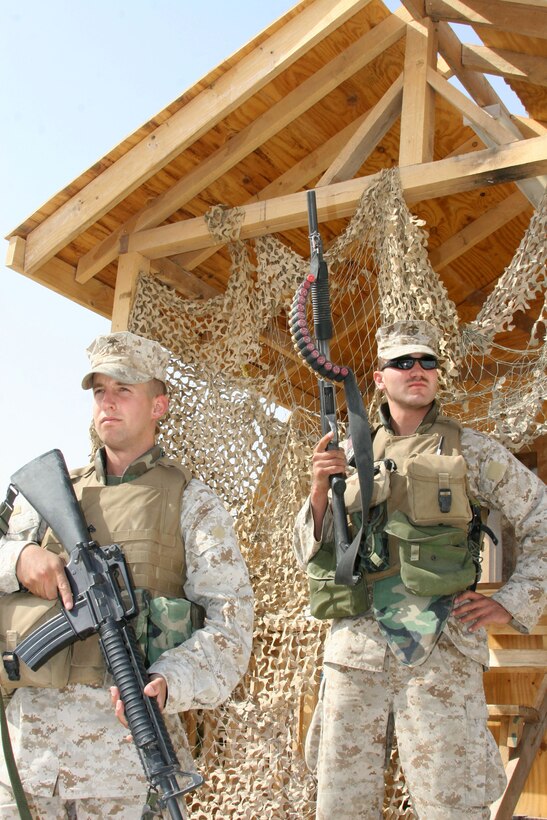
x=143, y=517
x=435, y=432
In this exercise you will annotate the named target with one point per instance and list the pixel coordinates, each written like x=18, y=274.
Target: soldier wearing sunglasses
x=413, y=662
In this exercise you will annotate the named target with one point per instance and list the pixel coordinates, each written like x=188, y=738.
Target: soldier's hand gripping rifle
x=104, y=603
x=316, y=354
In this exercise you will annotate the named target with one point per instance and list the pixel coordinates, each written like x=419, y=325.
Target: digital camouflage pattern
x=451, y=763
x=453, y=769
x=127, y=358
x=69, y=741
x=400, y=338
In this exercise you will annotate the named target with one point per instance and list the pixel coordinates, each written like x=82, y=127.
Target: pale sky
x=77, y=77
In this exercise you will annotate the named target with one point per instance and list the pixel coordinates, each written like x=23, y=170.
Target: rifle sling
x=16, y=785
x=6, y=509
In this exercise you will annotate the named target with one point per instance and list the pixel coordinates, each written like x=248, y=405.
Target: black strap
x=361, y=439
x=6, y=509
x=16, y=785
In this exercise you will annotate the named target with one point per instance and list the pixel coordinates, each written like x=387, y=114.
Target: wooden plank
x=521, y=762
x=250, y=74
x=417, y=114
x=513, y=64
x=375, y=126
x=59, y=277
x=450, y=49
x=531, y=188
x=182, y=280
x=442, y=178
x=309, y=92
x=479, y=229
x=130, y=266
x=489, y=124
x=526, y=660
x=505, y=17
x=15, y=257
x=501, y=711
x=296, y=178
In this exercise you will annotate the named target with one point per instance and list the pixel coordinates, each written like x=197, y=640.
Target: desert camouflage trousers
x=451, y=763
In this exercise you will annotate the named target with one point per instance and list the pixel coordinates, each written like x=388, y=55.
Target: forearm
x=203, y=670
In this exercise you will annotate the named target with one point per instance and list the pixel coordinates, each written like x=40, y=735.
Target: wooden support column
x=418, y=109
x=130, y=265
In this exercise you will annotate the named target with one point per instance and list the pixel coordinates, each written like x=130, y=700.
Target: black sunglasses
x=408, y=362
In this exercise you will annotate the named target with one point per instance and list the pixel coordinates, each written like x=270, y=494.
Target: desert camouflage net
x=244, y=418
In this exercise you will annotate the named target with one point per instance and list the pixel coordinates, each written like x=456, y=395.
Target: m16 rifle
x=104, y=603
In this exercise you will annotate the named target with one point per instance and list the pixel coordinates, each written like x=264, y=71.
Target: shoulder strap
x=6, y=509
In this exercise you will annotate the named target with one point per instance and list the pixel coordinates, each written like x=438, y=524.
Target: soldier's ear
x=378, y=377
x=160, y=406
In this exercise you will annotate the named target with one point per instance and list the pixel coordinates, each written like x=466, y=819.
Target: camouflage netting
x=241, y=419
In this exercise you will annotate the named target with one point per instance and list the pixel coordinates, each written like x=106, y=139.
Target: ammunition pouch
x=435, y=560
x=20, y=614
x=329, y=599
x=164, y=623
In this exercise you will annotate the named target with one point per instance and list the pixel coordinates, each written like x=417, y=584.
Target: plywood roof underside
x=326, y=97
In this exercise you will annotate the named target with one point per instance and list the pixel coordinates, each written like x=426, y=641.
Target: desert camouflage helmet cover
x=402, y=338
x=127, y=358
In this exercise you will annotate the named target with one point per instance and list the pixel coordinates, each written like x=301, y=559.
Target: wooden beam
x=309, y=92
x=130, y=266
x=418, y=108
x=296, y=178
x=531, y=188
x=515, y=19
x=181, y=280
x=512, y=64
x=528, y=127
x=374, y=127
x=477, y=170
x=479, y=229
x=59, y=277
x=492, y=125
x=469, y=109
x=525, y=660
x=184, y=127
x=15, y=257
x=475, y=83
x=521, y=761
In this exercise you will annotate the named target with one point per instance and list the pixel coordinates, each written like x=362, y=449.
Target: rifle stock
x=104, y=603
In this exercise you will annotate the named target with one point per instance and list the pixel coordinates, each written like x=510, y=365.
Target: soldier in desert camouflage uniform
x=417, y=661
x=70, y=744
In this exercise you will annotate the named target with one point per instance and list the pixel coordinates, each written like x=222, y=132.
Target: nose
x=108, y=399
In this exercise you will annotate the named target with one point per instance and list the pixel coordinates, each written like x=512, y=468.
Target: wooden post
x=130, y=265
x=418, y=109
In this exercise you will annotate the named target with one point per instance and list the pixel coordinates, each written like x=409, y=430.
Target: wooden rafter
x=476, y=231
x=246, y=141
x=491, y=166
x=185, y=126
x=417, y=114
x=502, y=16
x=373, y=128
x=504, y=63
